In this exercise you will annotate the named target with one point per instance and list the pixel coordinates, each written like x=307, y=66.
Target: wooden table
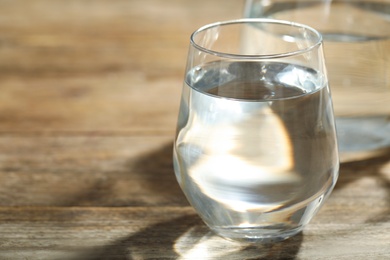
x=89, y=93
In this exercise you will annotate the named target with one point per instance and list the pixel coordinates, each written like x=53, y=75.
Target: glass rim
x=256, y=56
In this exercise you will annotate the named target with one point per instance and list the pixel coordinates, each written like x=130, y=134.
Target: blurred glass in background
x=357, y=54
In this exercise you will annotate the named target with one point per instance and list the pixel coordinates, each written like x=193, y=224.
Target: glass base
x=268, y=234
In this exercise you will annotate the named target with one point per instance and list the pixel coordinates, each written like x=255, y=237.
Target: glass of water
x=357, y=52
x=255, y=150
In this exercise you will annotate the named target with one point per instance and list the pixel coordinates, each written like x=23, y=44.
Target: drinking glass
x=255, y=150
x=357, y=52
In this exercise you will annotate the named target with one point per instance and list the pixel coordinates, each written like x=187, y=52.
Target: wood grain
x=88, y=171
x=89, y=92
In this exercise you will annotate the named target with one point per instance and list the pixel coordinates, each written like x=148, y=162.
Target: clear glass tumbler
x=255, y=150
x=357, y=51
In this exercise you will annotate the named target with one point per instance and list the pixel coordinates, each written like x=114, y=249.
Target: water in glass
x=255, y=151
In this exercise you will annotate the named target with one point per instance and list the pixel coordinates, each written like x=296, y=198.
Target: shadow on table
x=368, y=168
x=161, y=184
x=188, y=238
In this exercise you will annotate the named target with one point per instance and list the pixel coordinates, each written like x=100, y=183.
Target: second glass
x=357, y=51
x=255, y=150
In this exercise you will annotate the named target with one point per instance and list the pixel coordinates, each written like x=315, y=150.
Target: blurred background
x=88, y=90
x=96, y=65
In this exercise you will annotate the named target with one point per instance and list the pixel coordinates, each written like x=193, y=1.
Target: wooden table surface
x=89, y=93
